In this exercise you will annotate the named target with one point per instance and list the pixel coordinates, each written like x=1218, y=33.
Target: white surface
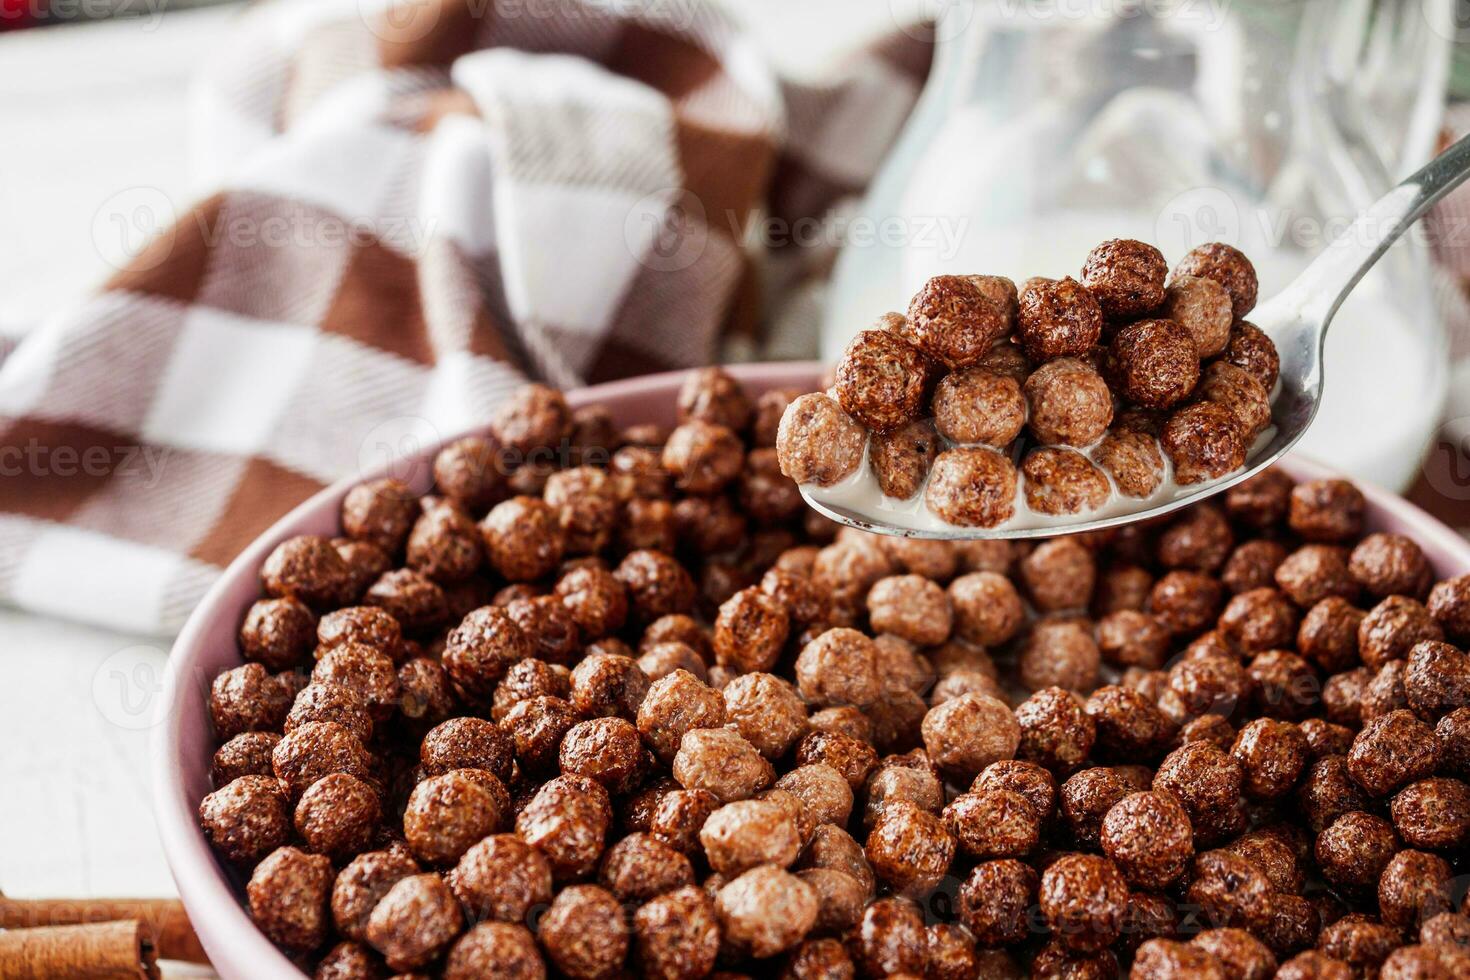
x=92, y=121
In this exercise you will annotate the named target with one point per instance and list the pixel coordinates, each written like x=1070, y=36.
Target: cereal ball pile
x=1235, y=743
x=1070, y=390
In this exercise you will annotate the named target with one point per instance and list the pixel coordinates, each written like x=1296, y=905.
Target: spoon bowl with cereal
x=992, y=411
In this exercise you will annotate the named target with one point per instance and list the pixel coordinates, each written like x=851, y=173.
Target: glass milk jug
x=1048, y=126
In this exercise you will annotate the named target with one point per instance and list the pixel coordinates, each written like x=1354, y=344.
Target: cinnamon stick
x=163, y=920
x=118, y=950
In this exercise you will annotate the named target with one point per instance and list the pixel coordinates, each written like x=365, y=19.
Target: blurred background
x=1044, y=127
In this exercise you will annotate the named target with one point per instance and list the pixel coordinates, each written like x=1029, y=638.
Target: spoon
x=1296, y=319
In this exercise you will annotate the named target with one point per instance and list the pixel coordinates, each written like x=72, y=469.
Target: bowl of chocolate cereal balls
x=591, y=693
x=988, y=405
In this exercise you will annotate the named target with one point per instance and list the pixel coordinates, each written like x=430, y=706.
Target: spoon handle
x=1317, y=293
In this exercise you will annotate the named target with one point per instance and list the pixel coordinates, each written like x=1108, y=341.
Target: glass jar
x=1048, y=126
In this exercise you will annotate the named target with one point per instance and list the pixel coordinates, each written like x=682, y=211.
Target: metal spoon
x=1296, y=319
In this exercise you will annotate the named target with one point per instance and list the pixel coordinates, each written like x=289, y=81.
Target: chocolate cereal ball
x=979, y=406
x=1393, y=628
x=1433, y=813
x=1204, y=442
x=1201, y=306
x=1312, y=965
x=1083, y=898
x=712, y=395
x=1061, y=481
x=307, y=568
x=1415, y=886
x=534, y=417
x=365, y=625
x=1242, y=955
x=818, y=442
x=1126, y=277
x=1202, y=777
x=1328, y=635
x=1228, y=267
x=1272, y=755
x=767, y=412
x=1069, y=403
x=767, y=711
x=1129, y=725
x=965, y=734
x=1449, y=604
x=702, y=457
x=1355, y=849
x=839, y=667
x=1056, y=731
x=996, y=899
x=317, y=749
x=1149, y=837
x=523, y=538
x=1153, y=363
x=746, y=833
x=1329, y=511
x=608, y=685
x=910, y=849
x=901, y=459
x=1389, y=564
x=972, y=486
x=657, y=585
x=585, y=932
x=481, y=648
x=677, y=703
x=277, y=632
x=567, y=820
x=1327, y=792
x=501, y=878
x=363, y=883
x=1238, y=391
x=676, y=935
x=448, y=813
x=952, y=955
x=954, y=321
x=1252, y=565
x=881, y=380
x=1060, y=653
x=495, y=949
x=380, y=512
x=246, y=819
x=287, y=898
x=911, y=607
x=471, y=472
x=993, y=823
x=607, y=750
x=246, y=699
x=766, y=911
x=851, y=756
x=721, y=761
x=246, y=754
x=1057, y=318
x=823, y=792
x=1132, y=458
x=987, y=608
x=640, y=866
x=1392, y=750
x=750, y=630
x=890, y=939
x=338, y=816
x=1252, y=350
x=1128, y=638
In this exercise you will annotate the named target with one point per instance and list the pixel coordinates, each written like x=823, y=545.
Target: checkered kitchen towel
x=418, y=208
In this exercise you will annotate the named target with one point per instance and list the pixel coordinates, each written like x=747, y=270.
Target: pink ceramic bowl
x=207, y=646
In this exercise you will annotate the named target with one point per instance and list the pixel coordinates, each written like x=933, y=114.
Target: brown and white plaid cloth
x=418, y=209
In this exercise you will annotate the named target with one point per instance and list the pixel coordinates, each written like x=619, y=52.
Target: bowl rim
x=216, y=912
